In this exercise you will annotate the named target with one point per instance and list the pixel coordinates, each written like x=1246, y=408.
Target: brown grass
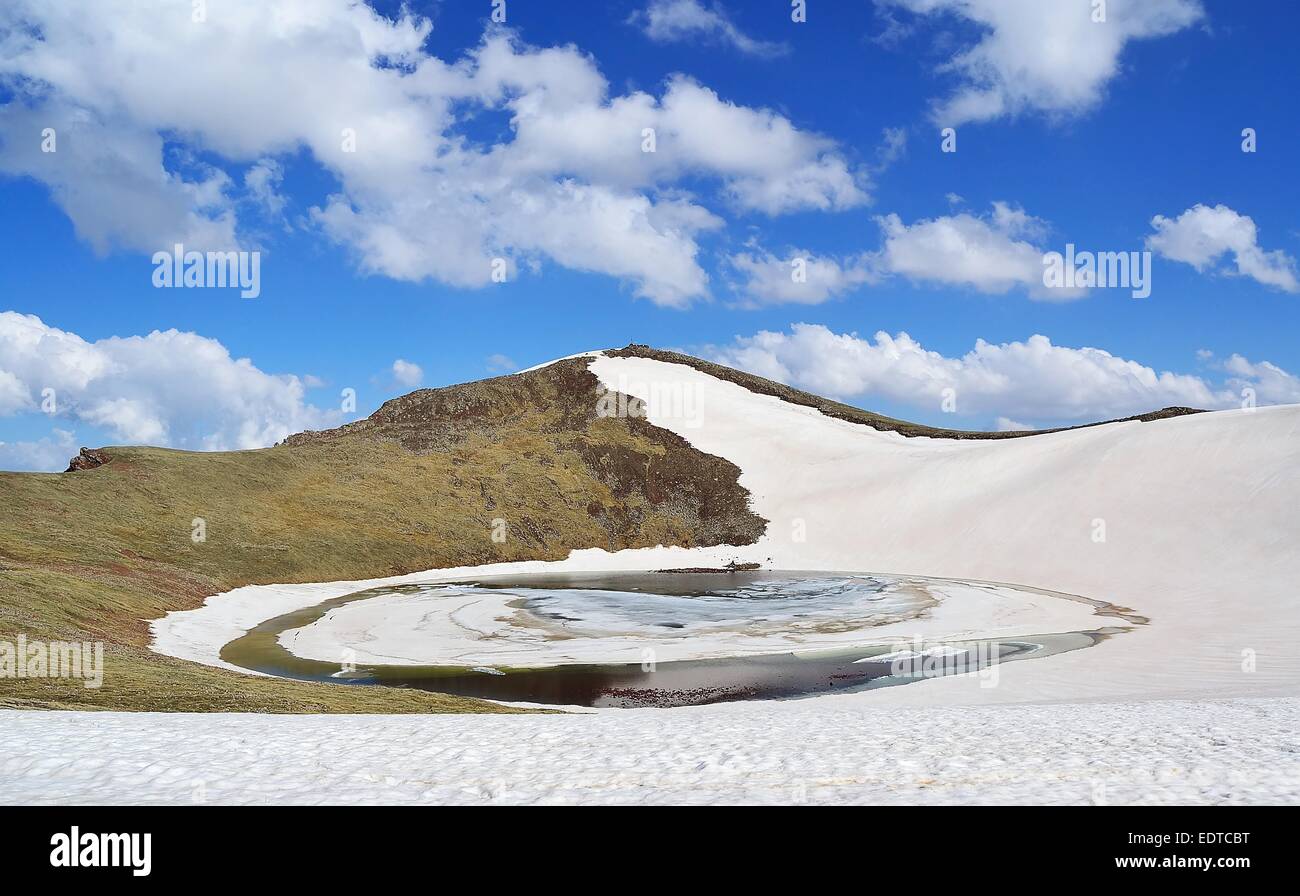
x=94, y=555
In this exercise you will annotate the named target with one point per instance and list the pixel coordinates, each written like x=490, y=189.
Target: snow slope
x=1191, y=521
x=1237, y=751
x=1201, y=517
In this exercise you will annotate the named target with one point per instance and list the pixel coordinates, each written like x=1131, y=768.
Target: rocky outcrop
x=88, y=459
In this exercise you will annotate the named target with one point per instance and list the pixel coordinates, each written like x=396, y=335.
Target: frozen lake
x=633, y=639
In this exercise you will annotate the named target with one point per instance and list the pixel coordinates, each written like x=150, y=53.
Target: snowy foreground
x=1238, y=751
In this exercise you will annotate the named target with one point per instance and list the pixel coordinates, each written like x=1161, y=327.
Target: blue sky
x=1085, y=145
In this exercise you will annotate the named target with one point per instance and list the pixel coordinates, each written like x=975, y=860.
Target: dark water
x=666, y=684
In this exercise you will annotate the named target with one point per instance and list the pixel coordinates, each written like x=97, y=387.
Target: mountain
x=423, y=483
x=95, y=553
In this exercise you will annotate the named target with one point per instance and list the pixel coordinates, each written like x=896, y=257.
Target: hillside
x=95, y=554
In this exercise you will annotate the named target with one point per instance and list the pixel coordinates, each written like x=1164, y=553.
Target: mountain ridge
x=853, y=414
x=425, y=482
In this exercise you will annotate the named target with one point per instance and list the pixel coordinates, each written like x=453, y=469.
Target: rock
x=88, y=459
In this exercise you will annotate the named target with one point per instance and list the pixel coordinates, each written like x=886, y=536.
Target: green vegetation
x=94, y=555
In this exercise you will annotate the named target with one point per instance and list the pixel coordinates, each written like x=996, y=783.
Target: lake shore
x=1209, y=563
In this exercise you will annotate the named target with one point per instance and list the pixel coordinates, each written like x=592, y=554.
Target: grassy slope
x=93, y=555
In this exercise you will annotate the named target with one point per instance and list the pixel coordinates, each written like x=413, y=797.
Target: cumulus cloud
x=764, y=162
x=1046, y=56
x=991, y=253
x=1203, y=236
x=1030, y=380
x=671, y=21
x=111, y=179
x=418, y=198
x=406, y=373
x=46, y=454
x=799, y=277
x=1270, y=383
x=167, y=388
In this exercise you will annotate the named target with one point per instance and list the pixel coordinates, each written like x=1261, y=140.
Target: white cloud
x=893, y=147
x=501, y=364
x=261, y=80
x=167, y=388
x=408, y=374
x=109, y=177
x=1006, y=424
x=993, y=253
x=1272, y=384
x=1033, y=380
x=262, y=181
x=763, y=161
x=1044, y=55
x=15, y=396
x=990, y=253
x=669, y=21
x=799, y=277
x=47, y=454
x=1202, y=236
